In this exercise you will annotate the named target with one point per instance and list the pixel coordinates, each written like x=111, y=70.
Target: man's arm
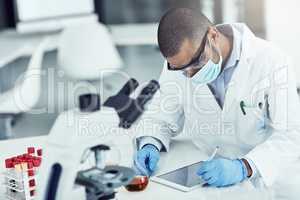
x=282, y=148
x=164, y=116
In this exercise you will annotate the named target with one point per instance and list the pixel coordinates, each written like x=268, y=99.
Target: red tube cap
x=30, y=150
x=9, y=163
x=32, y=183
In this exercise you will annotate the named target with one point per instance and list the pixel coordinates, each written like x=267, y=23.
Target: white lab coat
x=269, y=133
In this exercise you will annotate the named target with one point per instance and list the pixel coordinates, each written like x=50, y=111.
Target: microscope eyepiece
x=130, y=109
x=129, y=87
x=89, y=102
x=147, y=93
x=137, y=107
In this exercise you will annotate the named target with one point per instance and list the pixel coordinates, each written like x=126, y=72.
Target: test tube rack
x=20, y=175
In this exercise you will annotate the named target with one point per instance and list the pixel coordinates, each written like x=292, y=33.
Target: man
x=239, y=86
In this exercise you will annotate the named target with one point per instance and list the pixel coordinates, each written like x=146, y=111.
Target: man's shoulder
x=269, y=52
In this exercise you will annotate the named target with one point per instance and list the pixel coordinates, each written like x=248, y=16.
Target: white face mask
x=208, y=73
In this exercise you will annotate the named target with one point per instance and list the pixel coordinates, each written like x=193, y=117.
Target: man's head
x=183, y=35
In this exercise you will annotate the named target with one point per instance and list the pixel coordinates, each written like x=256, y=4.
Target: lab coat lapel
x=240, y=77
x=202, y=94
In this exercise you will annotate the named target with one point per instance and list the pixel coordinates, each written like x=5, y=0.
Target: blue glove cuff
x=151, y=147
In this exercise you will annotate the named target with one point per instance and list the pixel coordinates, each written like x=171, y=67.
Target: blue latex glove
x=222, y=172
x=146, y=159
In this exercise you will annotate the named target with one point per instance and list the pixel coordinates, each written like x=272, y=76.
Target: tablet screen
x=186, y=176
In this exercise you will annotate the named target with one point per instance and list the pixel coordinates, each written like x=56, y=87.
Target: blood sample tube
x=17, y=166
x=29, y=165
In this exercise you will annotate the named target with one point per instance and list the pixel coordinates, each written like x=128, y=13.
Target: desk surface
x=182, y=153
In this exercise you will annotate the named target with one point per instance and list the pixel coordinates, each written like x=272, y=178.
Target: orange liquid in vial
x=139, y=183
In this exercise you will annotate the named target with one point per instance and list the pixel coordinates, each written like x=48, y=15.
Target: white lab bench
x=183, y=152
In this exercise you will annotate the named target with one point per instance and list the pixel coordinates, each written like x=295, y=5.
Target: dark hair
x=177, y=25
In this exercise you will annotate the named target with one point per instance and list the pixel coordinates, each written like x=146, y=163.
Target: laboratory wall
x=136, y=11
x=283, y=27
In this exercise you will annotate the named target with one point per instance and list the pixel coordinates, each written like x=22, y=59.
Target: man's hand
x=146, y=159
x=222, y=172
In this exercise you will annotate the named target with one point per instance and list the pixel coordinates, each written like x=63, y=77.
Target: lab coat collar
x=247, y=37
x=241, y=74
x=248, y=40
x=230, y=31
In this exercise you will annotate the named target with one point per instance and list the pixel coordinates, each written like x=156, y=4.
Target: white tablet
x=184, y=179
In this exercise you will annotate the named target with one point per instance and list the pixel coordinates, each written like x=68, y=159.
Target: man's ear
x=213, y=32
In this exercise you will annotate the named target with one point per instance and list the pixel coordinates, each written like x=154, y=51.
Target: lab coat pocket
x=260, y=121
x=251, y=123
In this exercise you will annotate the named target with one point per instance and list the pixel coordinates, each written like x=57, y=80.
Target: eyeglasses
x=197, y=62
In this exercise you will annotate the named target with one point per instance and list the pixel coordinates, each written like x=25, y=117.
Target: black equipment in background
x=7, y=17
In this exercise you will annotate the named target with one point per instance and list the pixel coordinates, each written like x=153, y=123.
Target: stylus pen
x=213, y=154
